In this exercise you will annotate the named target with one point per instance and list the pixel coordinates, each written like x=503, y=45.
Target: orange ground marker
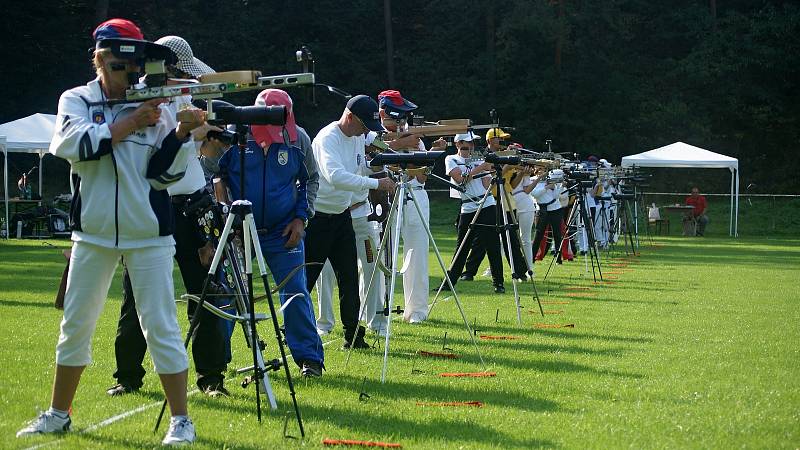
x=578, y=288
x=546, y=311
x=498, y=338
x=580, y=294
x=605, y=281
x=554, y=325
x=554, y=303
x=472, y=403
x=436, y=354
x=614, y=272
x=468, y=374
x=351, y=442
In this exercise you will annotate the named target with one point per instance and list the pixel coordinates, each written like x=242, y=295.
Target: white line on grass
x=109, y=421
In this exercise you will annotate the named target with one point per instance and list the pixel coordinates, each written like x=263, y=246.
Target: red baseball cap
x=394, y=104
x=117, y=29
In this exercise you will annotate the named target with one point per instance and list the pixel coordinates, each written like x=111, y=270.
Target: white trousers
x=525, y=226
x=601, y=225
x=367, y=241
x=415, y=247
x=90, y=273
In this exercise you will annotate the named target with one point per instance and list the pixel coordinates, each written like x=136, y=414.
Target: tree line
x=608, y=78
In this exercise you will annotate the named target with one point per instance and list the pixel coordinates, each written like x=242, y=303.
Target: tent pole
x=5, y=182
x=730, y=232
x=736, y=217
x=40, y=176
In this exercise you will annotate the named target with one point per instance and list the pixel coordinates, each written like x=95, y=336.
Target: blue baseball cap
x=395, y=105
x=366, y=109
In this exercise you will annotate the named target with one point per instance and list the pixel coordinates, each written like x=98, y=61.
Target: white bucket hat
x=187, y=63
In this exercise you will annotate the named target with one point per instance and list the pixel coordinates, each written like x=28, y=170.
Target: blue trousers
x=298, y=318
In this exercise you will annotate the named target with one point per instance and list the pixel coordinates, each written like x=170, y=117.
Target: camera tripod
x=244, y=301
x=403, y=193
x=581, y=220
x=504, y=224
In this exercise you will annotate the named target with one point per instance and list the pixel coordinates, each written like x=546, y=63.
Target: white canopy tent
x=687, y=156
x=30, y=134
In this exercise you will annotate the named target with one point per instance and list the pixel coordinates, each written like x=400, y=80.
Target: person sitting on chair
x=698, y=215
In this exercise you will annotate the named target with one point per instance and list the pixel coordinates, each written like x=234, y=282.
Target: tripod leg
x=196, y=318
x=393, y=259
x=393, y=211
x=249, y=229
x=251, y=224
x=460, y=249
x=507, y=234
x=232, y=255
x=571, y=220
x=447, y=278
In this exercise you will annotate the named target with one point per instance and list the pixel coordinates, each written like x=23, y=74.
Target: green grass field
x=695, y=344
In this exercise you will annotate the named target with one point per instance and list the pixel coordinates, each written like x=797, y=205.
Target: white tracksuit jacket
x=119, y=194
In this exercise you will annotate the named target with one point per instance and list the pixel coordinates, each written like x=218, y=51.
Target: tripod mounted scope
x=404, y=159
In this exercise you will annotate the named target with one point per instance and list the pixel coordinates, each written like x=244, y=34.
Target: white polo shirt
x=474, y=188
x=339, y=179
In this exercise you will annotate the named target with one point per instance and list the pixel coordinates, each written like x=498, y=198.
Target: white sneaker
x=322, y=332
x=487, y=272
x=181, y=432
x=47, y=422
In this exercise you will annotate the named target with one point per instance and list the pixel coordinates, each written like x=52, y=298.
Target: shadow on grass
x=526, y=363
x=202, y=439
x=528, y=330
x=36, y=304
x=367, y=425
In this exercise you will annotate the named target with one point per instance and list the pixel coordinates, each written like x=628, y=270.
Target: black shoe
x=358, y=343
x=520, y=277
x=499, y=289
x=466, y=277
x=445, y=287
x=121, y=389
x=311, y=369
x=216, y=390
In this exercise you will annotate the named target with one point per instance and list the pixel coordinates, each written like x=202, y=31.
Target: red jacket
x=699, y=204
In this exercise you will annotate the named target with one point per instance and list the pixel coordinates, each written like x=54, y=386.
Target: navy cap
x=366, y=110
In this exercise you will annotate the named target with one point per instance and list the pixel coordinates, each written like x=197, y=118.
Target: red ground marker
x=580, y=295
x=436, y=354
x=468, y=374
x=498, y=338
x=578, y=288
x=473, y=403
x=554, y=325
x=351, y=442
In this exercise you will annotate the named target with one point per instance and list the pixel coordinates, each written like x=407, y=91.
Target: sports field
x=693, y=344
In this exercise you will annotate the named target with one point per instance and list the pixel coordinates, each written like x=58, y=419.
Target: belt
x=325, y=215
x=547, y=204
x=357, y=205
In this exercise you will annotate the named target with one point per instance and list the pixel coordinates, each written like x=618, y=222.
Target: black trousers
x=552, y=218
x=477, y=252
x=331, y=237
x=484, y=231
x=209, y=349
